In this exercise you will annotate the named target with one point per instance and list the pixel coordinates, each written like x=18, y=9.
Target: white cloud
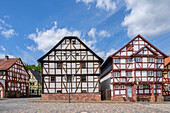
x=2, y=48
x=2, y=56
x=108, y=5
x=104, y=54
x=147, y=17
x=32, y=48
x=46, y=39
x=8, y=33
x=104, y=33
x=92, y=32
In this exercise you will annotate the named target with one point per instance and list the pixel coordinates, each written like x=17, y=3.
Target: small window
x=158, y=86
x=151, y=60
x=122, y=87
x=116, y=74
x=116, y=60
x=83, y=78
x=59, y=65
x=138, y=59
x=129, y=60
x=160, y=60
x=116, y=87
x=150, y=73
x=83, y=65
x=59, y=91
x=69, y=79
x=159, y=74
x=128, y=74
x=64, y=54
x=84, y=91
x=74, y=41
x=53, y=79
x=77, y=54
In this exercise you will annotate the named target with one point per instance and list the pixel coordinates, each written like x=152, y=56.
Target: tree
x=37, y=68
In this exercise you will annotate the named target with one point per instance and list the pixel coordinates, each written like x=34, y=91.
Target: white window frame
x=159, y=74
x=129, y=60
x=149, y=60
x=128, y=74
x=150, y=72
x=116, y=74
x=116, y=61
x=137, y=59
x=160, y=60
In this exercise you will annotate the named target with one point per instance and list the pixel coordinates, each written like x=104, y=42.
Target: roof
x=67, y=37
x=5, y=64
x=145, y=41
x=36, y=75
x=167, y=60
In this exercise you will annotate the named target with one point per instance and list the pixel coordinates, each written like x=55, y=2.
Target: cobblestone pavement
x=35, y=105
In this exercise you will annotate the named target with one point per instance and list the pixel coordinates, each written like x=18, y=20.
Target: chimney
x=6, y=57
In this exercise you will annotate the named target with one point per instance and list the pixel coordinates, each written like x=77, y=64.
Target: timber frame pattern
x=70, y=57
x=15, y=77
x=136, y=71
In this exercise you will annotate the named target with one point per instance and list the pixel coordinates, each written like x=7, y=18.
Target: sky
x=30, y=28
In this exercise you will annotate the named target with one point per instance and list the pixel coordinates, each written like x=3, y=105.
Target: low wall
x=80, y=97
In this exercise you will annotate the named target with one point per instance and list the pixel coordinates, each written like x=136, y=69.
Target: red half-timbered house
x=70, y=66
x=166, y=79
x=134, y=72
x=14, y=79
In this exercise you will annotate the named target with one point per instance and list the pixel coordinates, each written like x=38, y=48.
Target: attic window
x=74, y=41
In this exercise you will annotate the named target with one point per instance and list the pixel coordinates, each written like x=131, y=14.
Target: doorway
x=129, y=91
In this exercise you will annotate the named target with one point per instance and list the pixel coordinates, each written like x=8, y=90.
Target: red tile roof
x=7, y=63
x=167, y=60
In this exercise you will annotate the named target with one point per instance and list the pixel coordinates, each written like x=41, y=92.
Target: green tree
x=36, y=67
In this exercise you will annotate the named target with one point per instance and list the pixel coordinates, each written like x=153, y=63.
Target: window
x=116, y=74
x=116, y=87
x=123, y=80
x=83, y=65
x=122, y=87
x=59, y=91
x=158, y=86
x=77, y=54
x=32, y=91
x=83, y=91
x=129, y=60
x=168, y=74
x=116, y=60
x=59, y=65
x=74, y=41
x=69, y=79
x=150, y=60
x=138, y=59
x=150, y=73
x=169, y=87
x=159, y=74
x=160, y=60
x=128, y=74
x=53, y=79
x=65, y=54
x=83, y=78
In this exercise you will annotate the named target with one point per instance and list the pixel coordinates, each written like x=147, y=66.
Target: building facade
x=70, y=66
x=34, y=83
x=134, y=72
x=166, y=79
x=14, y=79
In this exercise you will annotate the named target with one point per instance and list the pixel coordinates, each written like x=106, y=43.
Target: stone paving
x=35, y=105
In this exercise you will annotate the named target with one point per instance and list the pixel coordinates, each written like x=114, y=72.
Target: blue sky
x=28, y=29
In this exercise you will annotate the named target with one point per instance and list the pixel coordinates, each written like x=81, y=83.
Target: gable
x=70, y=48
x=135, y=45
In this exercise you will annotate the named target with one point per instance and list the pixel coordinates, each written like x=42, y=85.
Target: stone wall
x=80, y=97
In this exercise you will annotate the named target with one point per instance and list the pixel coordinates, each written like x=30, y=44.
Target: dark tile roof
x=36, y=75
x=5, y=64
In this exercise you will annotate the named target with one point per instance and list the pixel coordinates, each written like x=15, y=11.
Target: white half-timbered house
x=71, y=62
x=14, y=79
x=134, y=72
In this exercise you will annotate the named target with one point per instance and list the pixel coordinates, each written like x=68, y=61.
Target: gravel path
x=30, y=105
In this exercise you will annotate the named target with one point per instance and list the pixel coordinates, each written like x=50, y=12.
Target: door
x=129, y=91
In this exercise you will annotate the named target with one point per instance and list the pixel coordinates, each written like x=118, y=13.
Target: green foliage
x=37, y=68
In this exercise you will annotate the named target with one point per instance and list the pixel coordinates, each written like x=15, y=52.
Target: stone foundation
x=117, y=98
x=79, y=97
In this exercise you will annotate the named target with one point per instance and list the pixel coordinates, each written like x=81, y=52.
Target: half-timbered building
x=70, y=66
x=166, y=79
x=14, y=79
x=134, y=72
